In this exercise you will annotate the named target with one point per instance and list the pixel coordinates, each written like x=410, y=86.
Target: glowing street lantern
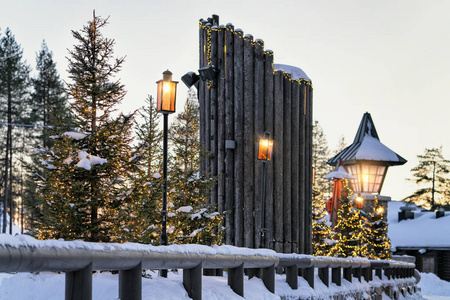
x=166, y=94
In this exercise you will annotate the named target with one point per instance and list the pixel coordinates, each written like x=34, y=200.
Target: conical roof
x=367, y=147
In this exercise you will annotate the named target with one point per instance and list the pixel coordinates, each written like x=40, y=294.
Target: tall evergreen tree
x=86, y=183
x=321, y=154
x=14, y=79
x=323, y=236
x=350, y=237
x=190, y=220
x=378, y=243
x=432, y=174
x=49, y=101
x=140, y=218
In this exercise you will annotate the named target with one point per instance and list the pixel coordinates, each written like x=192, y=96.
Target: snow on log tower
x=241, y=95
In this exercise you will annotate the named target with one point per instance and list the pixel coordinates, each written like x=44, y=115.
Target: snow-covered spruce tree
x=321, y=154
x=350, y=231
x=322, y=234
x=378, y=243
x=14, y=92
x=86, y=183
x=432, y=174
x=140, y=219
x=190, y=219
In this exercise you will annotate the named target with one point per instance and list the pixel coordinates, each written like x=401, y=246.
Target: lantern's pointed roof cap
x=367, y=147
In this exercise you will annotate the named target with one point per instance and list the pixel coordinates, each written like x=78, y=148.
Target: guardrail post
x=130, y=283
x=357, y=273
x=324, y=276
x=368, y=274
x=292, y=276
x=268, y=277
x=79, y=284
x=348, y=274
x=308, y=274
x=236, y=279
x=192, y=281
x=336, y=276
x=379, y=273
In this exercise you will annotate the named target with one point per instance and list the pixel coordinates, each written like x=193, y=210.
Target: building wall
x=247, y=99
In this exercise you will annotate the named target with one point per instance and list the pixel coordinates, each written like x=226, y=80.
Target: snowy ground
x=50, y=286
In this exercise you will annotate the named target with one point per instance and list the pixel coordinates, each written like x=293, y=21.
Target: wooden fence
x=248, y=98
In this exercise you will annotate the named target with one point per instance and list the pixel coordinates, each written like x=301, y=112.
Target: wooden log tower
x=251, y=95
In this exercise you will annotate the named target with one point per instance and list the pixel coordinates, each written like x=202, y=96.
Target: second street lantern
x=166, y=94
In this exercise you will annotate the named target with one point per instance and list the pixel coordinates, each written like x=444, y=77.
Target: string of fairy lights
x=207, y=44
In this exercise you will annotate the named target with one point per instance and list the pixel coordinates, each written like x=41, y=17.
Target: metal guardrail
x=78, y=260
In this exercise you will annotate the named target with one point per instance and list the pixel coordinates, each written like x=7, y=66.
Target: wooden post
x=239, y=137
x=278, y=161
x=207, y=105
x=268, y=119
x=249, y=159
x=213, y=115
x=229, y=130
x=287, y=161
x=258, y=133
x=268, y=277
x=221, y=123
x=295, y=169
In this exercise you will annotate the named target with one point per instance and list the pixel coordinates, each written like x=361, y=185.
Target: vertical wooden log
x=308, y=202
x=221, y=122
x=268, y=123
x=295, y=131
x=249, y=158
x=278, y=160
x=302, y=168
x=201, y=91
x=229, y=130
x=239, y=137
x=258, y=133
x=287, y=217
x=213, y=115
x=207, y=99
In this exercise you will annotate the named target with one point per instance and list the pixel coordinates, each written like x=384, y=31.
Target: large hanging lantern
x=367, y=159
x=166, y=94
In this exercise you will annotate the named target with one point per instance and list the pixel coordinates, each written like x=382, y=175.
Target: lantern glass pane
x=263, y=149
x=166, y=96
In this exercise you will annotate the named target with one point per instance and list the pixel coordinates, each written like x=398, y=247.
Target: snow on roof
x=372, y=149
x=424, y=231
x=296, y=73
x=341, y=173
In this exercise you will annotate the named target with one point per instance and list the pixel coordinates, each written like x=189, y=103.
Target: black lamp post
x=165, y=104
x=264, y=154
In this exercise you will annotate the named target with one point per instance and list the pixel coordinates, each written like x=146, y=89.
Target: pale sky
x=389, y=58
